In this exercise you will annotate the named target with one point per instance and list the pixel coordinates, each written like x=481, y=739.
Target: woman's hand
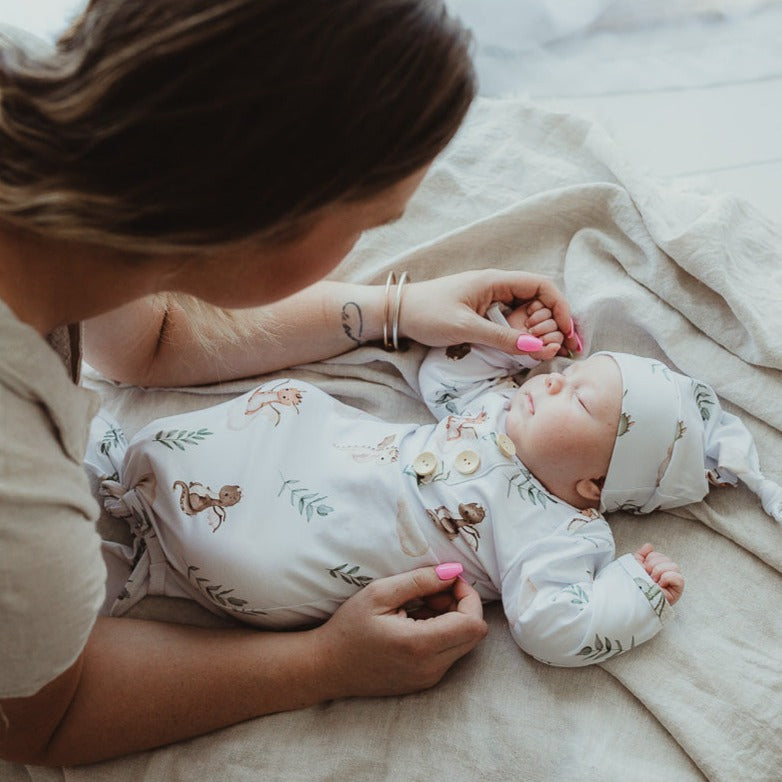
x=371, y=646
x=450, y=310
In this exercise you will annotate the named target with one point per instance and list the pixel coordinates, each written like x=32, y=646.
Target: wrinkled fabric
x=693, y=280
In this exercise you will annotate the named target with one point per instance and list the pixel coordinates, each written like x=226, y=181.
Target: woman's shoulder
x=51, y=566
x=53, y=585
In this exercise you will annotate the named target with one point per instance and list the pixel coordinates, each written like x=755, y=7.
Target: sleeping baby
x=277, y=506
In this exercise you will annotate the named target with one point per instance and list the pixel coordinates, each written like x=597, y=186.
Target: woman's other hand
x=372, y=646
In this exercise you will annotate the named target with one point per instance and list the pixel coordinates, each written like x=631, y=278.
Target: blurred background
x=692, y=89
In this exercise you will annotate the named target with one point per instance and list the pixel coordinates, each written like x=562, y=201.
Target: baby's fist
x=663, y=571
x=534, y=318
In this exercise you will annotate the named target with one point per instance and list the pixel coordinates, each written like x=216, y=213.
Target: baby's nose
x=554, y=383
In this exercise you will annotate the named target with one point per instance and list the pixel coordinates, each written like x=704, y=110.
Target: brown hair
x=187, y=124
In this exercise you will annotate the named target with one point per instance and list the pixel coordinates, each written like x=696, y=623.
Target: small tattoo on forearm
x=352, y=322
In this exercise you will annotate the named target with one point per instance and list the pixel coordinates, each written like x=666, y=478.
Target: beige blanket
x=693, y=280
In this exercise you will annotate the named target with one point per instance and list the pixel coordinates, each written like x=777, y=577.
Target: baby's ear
x=589, y=489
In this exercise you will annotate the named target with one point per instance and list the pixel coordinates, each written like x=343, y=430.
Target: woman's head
x=186, y=124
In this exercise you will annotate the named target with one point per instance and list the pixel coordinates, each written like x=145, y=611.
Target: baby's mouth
x=530, y=403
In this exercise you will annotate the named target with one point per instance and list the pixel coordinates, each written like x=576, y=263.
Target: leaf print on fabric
x=581, y=526
x=349, y=576
x=625, y=422
x=605, y=648
x=579, y=596
x=657, y=367
x=446, y=398
x=679, y=432
x=179, y=438
x=653, y=594
x=220, y=595
x=112, y=438
x=440, y=475
x=528, y=489
x=306, y=501
x=704, y=399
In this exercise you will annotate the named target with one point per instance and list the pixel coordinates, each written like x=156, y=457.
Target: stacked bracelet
x=391, y=315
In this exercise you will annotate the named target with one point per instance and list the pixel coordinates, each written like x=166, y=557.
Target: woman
x=230, y=151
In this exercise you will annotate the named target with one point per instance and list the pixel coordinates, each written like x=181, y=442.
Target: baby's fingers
x=672, y=584
x=546, y=328
x=548, y=352
x=643, y=552
x=660, y=566
x=537, y=313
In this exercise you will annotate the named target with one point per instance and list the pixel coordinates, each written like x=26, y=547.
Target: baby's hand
x=533, y=317
x=664, y=572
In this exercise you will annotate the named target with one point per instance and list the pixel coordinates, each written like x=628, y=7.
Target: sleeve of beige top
x=51, y=570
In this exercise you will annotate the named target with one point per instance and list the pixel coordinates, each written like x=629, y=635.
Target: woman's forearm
x=152, y=342
x=141, y=684
x=157, y=342
x=144, y=684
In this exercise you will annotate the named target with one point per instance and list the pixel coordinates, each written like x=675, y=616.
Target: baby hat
x=674, y=439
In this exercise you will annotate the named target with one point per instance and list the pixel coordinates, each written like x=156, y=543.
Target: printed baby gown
x=277, y=506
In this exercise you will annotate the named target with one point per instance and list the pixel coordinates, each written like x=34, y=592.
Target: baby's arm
x=662, y=570
x=453, y=379
x=570, y=603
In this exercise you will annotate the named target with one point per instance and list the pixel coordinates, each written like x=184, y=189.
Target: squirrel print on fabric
x=269, y=400
x=196, y=498
x=385, y=452
x=469, y=514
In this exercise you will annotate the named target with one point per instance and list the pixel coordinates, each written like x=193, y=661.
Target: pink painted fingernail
x=574, y=333
x=448, y=570
x=528, y=343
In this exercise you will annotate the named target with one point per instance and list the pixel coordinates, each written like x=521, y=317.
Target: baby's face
x=564, y=424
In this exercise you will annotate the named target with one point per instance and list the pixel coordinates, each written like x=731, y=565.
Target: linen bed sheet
x=691, y=279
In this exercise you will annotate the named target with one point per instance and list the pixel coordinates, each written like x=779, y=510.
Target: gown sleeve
x=452, y=380
x=570, y=603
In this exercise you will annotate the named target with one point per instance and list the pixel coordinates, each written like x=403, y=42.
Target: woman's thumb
x=394, y=592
